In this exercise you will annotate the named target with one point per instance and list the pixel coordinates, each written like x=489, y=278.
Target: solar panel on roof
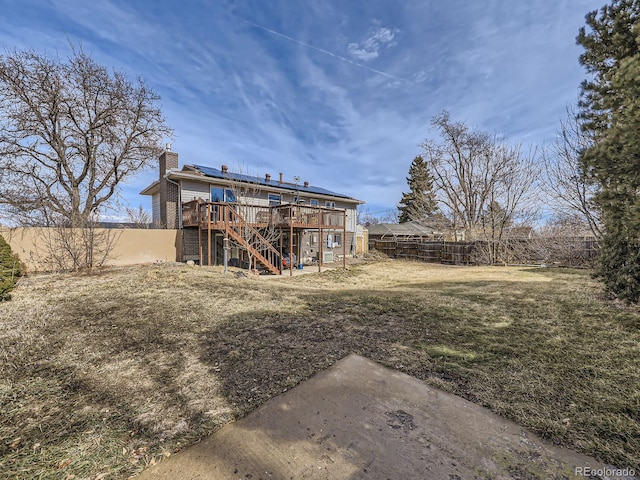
x=215, y=173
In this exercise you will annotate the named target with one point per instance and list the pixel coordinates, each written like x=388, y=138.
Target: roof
x=151, y=189
x=408, y=229
x=215, y=173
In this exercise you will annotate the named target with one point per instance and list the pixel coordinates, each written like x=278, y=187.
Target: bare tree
x=564, y=182
x=70, y=132
x=140, y=217
x=390, y=216
x=563, y=240
x=256, y=226
x=64, y=249
x=484, y=185
x=366, y=217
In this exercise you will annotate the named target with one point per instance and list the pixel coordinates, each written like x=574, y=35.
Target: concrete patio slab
x=359, y=420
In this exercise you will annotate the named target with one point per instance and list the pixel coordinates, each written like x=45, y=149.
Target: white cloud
x=283, y=89
x=369, y=48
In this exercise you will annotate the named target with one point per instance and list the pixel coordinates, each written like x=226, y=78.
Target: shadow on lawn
x=521, y=368
x=263, y=354
x=527, y=366
x=259, y=356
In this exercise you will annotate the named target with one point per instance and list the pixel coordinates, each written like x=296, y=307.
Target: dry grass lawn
x=105, y=374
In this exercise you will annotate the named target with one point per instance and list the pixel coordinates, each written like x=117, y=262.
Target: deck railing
x=211, y=214
x=250, y=238
x=307, y=216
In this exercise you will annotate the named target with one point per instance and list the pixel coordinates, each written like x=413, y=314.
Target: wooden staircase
x=252, y=240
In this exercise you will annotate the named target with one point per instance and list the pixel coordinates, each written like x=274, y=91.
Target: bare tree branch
x=565, y=182
x=256, y=238
x=483, y=184
x=70, y=132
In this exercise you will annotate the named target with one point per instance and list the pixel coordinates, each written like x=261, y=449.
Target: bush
x=10, y=270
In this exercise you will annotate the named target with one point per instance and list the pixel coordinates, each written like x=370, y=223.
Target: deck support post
x=225, y=253
x=320, y=240
x=209, y=235
x=215, y=248
x=344, y=240
x=291, y=245
x=280, y=238
x=201, y=260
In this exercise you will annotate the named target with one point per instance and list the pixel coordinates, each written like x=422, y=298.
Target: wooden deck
x=246, y=224
x=216, y=215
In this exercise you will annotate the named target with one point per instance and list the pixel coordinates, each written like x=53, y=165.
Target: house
x=434, y=228
x=256, y=218
x=403, y=231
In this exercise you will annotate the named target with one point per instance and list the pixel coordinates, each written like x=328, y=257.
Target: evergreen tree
x=420, y=202
x=611, y=112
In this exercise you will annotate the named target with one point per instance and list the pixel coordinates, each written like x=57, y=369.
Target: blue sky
x=339, y=93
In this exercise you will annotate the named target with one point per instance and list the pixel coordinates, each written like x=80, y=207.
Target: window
x=222, y=195
x=217, y=194
x=334, y=240
x=313, y=202
x=275, y=199
x=329, y=204
x=314, y=239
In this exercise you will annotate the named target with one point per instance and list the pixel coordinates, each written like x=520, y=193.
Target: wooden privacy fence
x=450, y=253
x=567, y=251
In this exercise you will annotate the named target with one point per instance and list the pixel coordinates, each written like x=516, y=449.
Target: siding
x=251, y=197
x=351, y=217
x=309, y=249
x=155, y=208
x=194, y=190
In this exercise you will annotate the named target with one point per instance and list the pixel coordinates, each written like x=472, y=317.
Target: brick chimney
x=225, y=169
x=168, y=161
x=168, y=191
x=267, y=177
x=306, y=184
